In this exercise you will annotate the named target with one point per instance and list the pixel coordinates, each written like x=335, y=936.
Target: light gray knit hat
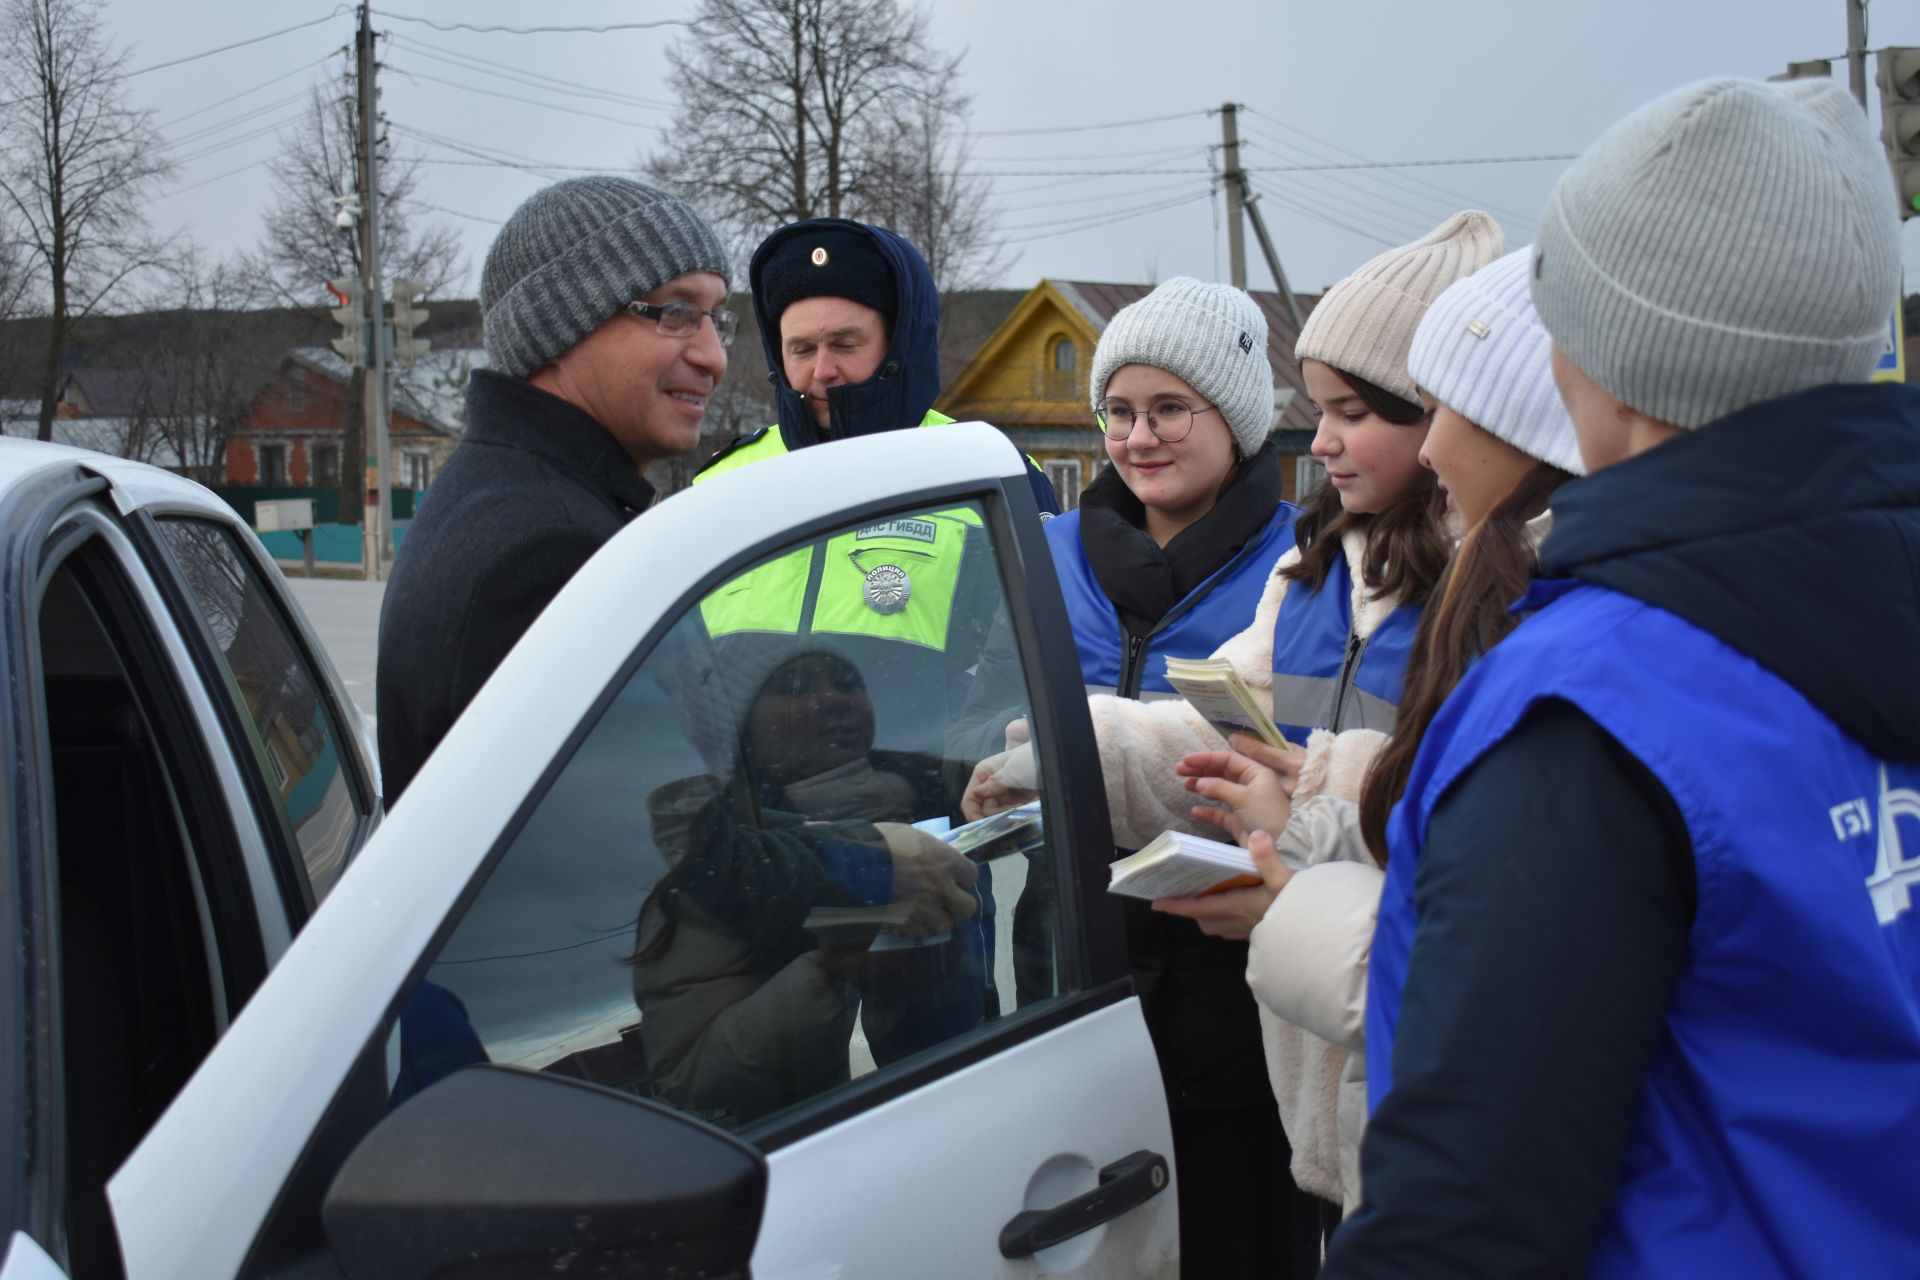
x=575, y=253
x=1482, y=351
x=1729, y=242
x=1213, y=337
x=1364, y=325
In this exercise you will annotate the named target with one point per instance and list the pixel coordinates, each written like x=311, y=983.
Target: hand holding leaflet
x=1213, y=688
x=1229, y=912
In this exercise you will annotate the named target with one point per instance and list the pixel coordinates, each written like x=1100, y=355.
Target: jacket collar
x=512, y=413
x=1790, y=531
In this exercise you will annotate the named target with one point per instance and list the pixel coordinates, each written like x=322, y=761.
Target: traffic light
x=1805, y=70
x=406, y=318
x=1899, y=78
x=352, y=316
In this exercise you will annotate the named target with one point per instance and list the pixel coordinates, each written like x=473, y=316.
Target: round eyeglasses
x=1169, y=420
x=682, y=319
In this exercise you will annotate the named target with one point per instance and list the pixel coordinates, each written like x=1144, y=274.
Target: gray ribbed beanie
x=1727, y=243
x=1365, y=323
x=575, y=253
x=1481, y=351
x=1213, y=337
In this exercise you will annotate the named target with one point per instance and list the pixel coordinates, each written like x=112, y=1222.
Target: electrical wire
x=1309, y=211
x=1162, y=203
x=532, y=31
x=288, y=75
x=435, y=208
x=531, y=79
x=1088, y=128
x=514, y=97
x=239, y=44
x=1108, y=222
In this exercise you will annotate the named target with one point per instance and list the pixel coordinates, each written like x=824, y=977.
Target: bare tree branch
x=793, y=109
x=78, y=167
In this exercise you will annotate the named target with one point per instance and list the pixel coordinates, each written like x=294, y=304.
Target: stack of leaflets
x=855, y=926
x=1015, y=831
x=1177, y=865
x=1214, y=689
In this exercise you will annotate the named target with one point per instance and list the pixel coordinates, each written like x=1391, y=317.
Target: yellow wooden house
x=1030, y=379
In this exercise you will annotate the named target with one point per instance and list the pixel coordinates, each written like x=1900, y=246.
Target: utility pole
x=1236, y=192
x=379, y=520
x=1857, y=50
x=1241, y=202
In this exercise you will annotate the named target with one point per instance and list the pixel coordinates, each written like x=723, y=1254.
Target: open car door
x=654, y=970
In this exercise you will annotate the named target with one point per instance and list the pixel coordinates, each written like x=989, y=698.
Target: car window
x=728, y=900
x=279, y=695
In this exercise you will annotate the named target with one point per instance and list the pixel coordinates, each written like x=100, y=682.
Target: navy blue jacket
x=1644, y=991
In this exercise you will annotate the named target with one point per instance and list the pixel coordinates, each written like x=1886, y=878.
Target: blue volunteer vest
x=1780, y=1129
x=1213, y=612
x=1324, y=676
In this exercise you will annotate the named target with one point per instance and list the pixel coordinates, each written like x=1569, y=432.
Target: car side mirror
x=497, y=1171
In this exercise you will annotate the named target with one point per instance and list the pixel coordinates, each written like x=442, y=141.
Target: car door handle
x=1126, y=1183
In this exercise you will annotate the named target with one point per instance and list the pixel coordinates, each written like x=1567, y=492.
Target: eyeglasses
x=1169, y=420
x=682, y=319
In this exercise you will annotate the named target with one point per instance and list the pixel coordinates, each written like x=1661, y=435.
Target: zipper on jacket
x=1356, y=648
x=1132, y=667
x=816, y=567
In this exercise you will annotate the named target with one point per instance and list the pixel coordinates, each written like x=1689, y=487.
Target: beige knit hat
x=1365, y=323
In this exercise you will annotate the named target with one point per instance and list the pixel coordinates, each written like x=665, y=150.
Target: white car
x=473, y=1048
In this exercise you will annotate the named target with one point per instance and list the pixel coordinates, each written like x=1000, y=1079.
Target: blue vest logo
x=1894, y=874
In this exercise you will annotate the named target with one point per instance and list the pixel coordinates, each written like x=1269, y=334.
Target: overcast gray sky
x=1337, y=81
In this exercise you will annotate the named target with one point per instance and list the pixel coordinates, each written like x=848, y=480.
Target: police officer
x=849, y=317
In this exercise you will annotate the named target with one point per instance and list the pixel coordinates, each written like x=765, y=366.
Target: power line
x=1161, y=203
x=514, y=97
x=1301, y=207
x=1109, y=155
x=1107, y=222
x=1088, y=128
x=264, y=84
x=239, y=44
x=531, y=31
x=1454, y=198
x=532, y=79
x=215, y=178
x=471, y=217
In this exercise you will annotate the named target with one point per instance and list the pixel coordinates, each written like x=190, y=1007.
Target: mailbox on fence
x=283, y=515
x=288, y=515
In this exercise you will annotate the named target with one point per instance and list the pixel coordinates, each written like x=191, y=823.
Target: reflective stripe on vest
x=822, y=588
x=1778, y=1132
x=1326, y=677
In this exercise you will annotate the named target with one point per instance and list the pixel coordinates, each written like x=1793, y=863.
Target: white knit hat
x=1365, y=323
x=1482, y=351
x=1213, y=337
x=1729, y=242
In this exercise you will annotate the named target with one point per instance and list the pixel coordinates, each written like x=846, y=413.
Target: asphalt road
x=346, y=617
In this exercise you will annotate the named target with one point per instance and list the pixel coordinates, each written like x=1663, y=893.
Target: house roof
x=100, y=434
x=1093, y=305
x=433, y=391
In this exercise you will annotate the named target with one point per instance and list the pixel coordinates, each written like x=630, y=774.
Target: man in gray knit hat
x=604, y=301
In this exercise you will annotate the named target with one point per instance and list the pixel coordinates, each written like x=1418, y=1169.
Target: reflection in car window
x=282, y=703
x=735, y=896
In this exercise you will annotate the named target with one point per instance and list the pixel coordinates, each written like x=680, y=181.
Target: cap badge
x=819, y=256
x=1246, y=343
x=1478, y=328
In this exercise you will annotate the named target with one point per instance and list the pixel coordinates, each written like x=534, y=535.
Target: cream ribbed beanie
x=1365, y=323
x=1728, y=243
x=1482, y=351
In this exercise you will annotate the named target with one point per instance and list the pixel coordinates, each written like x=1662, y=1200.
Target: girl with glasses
x=1328, y=638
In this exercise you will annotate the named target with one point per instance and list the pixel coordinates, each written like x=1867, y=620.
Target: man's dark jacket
x=534, y=489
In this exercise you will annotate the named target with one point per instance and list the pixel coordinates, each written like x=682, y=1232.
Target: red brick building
x=293, y=432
